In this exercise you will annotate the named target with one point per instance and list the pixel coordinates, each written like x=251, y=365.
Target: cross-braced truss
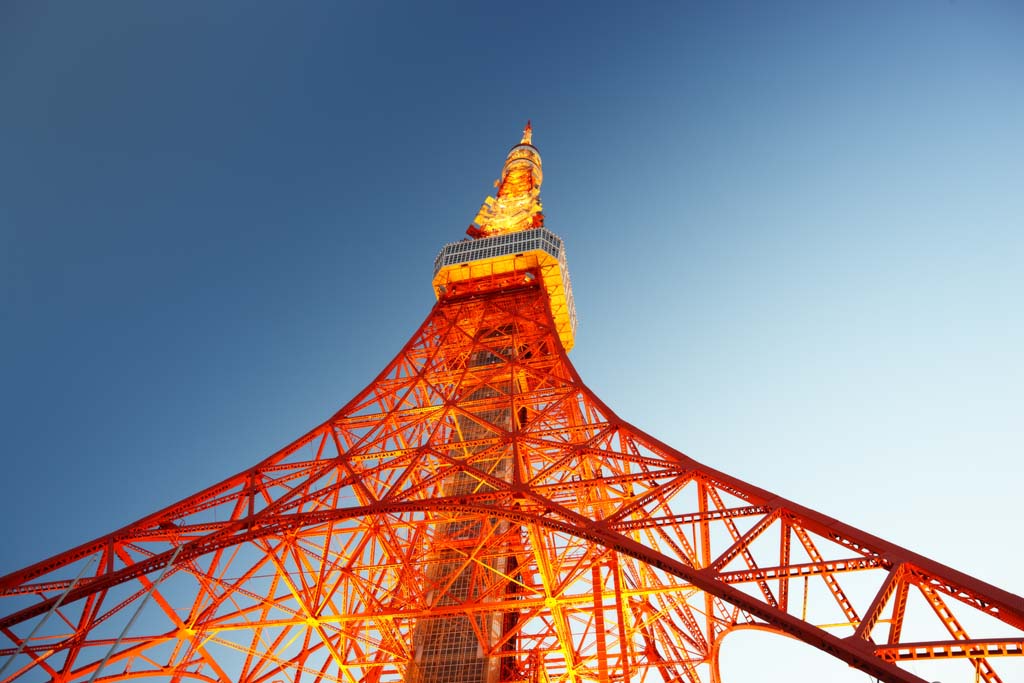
x=478, y=504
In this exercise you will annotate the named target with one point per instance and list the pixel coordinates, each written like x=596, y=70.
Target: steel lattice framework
x=477, y=513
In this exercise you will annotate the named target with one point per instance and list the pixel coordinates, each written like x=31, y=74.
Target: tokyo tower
x=477, y=515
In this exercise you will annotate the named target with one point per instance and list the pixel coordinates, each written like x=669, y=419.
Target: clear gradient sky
x=795, y=232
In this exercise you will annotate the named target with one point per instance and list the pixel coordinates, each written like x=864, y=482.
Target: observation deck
x=534, y=252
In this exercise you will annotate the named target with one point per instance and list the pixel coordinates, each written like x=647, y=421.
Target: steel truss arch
x=478, y=481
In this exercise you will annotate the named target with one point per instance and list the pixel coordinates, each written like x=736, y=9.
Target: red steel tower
x=477, y=515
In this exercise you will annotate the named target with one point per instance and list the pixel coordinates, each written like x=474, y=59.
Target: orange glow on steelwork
x=517, y=206
x=477, y=514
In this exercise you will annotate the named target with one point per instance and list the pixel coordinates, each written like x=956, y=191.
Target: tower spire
x=517, y=206
x=527, y=134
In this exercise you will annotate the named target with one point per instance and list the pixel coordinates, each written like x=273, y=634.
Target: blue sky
x=795, y=234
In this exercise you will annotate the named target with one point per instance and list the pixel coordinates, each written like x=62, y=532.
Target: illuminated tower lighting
x=477, y=515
